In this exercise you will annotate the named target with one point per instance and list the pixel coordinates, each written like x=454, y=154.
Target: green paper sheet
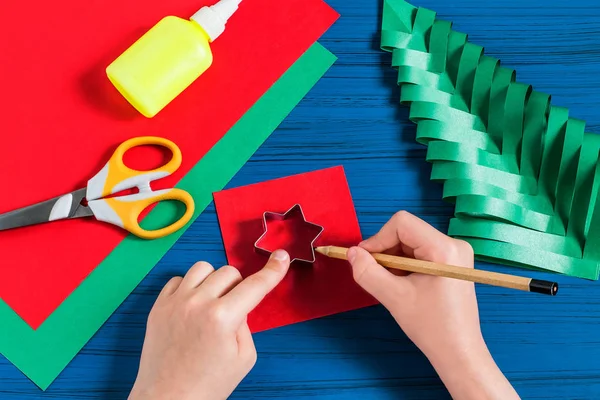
x=523, y=174
x=42, y=354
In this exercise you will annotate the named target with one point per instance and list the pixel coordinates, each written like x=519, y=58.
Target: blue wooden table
x=548, y=347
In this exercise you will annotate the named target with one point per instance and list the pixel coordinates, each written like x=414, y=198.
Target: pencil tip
x=321, y=250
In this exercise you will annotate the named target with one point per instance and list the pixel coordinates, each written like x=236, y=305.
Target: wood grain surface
x=548, y=347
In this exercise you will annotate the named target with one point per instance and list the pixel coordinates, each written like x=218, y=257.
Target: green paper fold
x=43, y=353
x=524, y=175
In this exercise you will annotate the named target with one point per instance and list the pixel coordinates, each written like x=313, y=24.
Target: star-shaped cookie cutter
x=289, y=214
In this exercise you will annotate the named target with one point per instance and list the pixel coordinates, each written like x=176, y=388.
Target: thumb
x=375, y=279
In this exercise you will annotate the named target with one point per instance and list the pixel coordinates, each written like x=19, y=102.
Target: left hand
x=198, y=344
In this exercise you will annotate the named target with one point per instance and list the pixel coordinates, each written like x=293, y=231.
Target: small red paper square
x=308, y=291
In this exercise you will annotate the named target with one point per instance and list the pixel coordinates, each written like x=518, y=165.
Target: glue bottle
x=169, y=57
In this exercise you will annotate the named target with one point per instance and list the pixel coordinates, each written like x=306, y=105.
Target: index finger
x=251, y=291
x=405, y=228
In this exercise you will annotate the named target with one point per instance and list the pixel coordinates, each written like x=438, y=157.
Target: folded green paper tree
x=525, y=176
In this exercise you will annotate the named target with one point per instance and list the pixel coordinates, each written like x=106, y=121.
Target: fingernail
x=351, y=254
x=362, y=243
x=280, y=255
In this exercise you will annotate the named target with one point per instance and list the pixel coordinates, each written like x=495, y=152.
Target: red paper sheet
x=61, y=118
x=308, y=291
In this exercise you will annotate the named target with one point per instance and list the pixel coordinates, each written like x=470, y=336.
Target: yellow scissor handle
x=124, y=211
x=116, y=176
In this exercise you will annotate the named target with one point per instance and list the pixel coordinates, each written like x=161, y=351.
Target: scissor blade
x=62, y=207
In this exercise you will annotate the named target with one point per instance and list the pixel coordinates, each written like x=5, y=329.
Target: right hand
x=439, y=315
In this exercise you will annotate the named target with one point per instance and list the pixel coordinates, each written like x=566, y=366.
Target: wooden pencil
x=450, y=271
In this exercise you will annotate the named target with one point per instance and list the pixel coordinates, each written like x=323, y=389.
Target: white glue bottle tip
x=213, y=19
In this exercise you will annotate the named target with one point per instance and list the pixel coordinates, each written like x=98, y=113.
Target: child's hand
x=438, y=314
x=198, y=344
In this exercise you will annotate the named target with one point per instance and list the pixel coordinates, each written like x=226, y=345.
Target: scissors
x=123, y=211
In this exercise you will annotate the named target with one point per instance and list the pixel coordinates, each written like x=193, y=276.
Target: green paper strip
x=524, y=176
x=43, y=353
